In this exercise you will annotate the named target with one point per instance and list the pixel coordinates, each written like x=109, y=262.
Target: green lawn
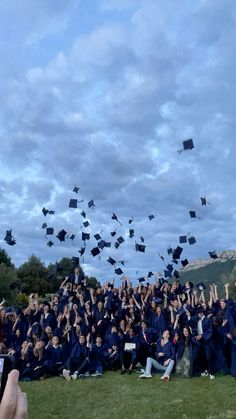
x=114, y=396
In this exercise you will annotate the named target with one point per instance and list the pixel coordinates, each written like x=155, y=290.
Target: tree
x=33, y=276
x=91, y=280
x=5, y=258
x=7, y=277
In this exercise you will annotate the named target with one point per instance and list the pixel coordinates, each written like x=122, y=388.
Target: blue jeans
x=153, y=363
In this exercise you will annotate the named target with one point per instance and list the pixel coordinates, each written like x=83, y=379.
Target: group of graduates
x=83, y=331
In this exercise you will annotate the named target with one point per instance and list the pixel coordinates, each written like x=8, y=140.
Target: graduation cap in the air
x=85, y=224
x=97, y=236
x=161, y=257
x=91, y=204
x=191, y=240
x=76, y=189
x=50, y=243
x=167, y=273
x=113, y=233
x=111, y=261
x=213, y=254
x=150, y=274
x=120, y=239
x=72, y=237
x=131, y=220
x=131, y=233
x=201, y=286
x=118, y=271
x=61, y=235
x=107, y=244
x=73, y=203
x=122, y=262
x=83, y=214
x=85, y=236
x=81, y=251
x=169, y=267
x=9, y=239
x=193, y=214
x=142, y=239
x=176, y=274
x=183, y=239
x=51, y=212
x=184, y=262
x=169, y=250
x=187, y=145
x=116, y=245
x=95, y=251
x=204, y=201
x=49, y=231
x=45, y=211
x=177, y=252
x=151, y=217
x=140, y=247
x=101, y=244
x=141, y=279
x=114, y=217
x=44, y=225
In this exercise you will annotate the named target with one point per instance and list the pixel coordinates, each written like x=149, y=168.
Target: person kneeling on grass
x=165, y=358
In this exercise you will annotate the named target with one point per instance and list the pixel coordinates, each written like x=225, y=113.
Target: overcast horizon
x=102, y=94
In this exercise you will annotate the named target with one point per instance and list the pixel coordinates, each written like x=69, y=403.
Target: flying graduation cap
x=131, y=220
x=140, y=248
x=49, y=231
x=9, y=239
x=187, y=145
x=91, y=204
x=61, y=235
x=118, y=271
x=85, y=224
x=81, y=251
x=151, y=217
x=193, y=214
x=111, y=261
x=191, y=240
x=113, y=233
x=95, y=251
x=83, y=214
x=131, y=233
x=50, y=243
x=85, y=236
x=213, y=254
x=204, y=202
x=76, y=189
x=114, y=217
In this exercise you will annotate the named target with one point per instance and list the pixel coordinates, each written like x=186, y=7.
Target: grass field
x=128, y=397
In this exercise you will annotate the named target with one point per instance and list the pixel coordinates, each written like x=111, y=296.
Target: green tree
x=33, y=276
x=91, y=280
x=5, y=258
x=8, y=276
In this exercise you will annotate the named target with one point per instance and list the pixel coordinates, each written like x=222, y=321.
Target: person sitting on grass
x=165, y=358
x=78, y=360
x=129, y=354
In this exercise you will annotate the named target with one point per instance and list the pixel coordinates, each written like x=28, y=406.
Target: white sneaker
x=145, y=375
x=74, y=376
x=97, y=374
x=212, y=377
x=66, y=374
x=204, y=374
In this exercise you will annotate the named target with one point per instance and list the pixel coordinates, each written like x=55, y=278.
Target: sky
x=101, y=94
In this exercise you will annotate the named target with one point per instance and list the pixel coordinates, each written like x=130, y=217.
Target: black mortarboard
x=191, y=240
x=122, y=262
x=161, y=257
x=192, y=214
x=131, y=233
x=76, y=189
x=75, y=260
x=177, y=252
x=85, y=224
x=91, y=204
x=184, y=262
x=45, y=211
x=81, y=251
x=183, y=239
x=51, y=212
x=176, y=274
x=72, y=236
x=111, y=261
x=131, y=220
x=49, y=230
x=151, y=217
x=85, y=236
x=142, y=279
x=204, y=201
x=118, y=271
x=61, y=235
x=213, y=254
x=140, y=247
x=142, y=239
x=167, y=274
x=150, y=274
x=187, y=145
x=120, y=239
x=101, y=244
x=97, y=236
x=169, y=250
x=9, y=239
x=73, y=203
x=83, y=214
x=113, y=233
x=116, y=245
x=201, y=286
x=169, y=267
x=44, y=225
x=95, y=251
x=107, y=244
x=114, y=217
x=175, y=261
x=50, y=243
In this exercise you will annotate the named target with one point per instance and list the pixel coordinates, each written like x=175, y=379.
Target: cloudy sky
x=101, y=94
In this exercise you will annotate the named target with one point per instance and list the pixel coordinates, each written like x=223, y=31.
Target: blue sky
x=102, y=94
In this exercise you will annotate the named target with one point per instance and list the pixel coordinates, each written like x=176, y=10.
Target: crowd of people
x=83, y=331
